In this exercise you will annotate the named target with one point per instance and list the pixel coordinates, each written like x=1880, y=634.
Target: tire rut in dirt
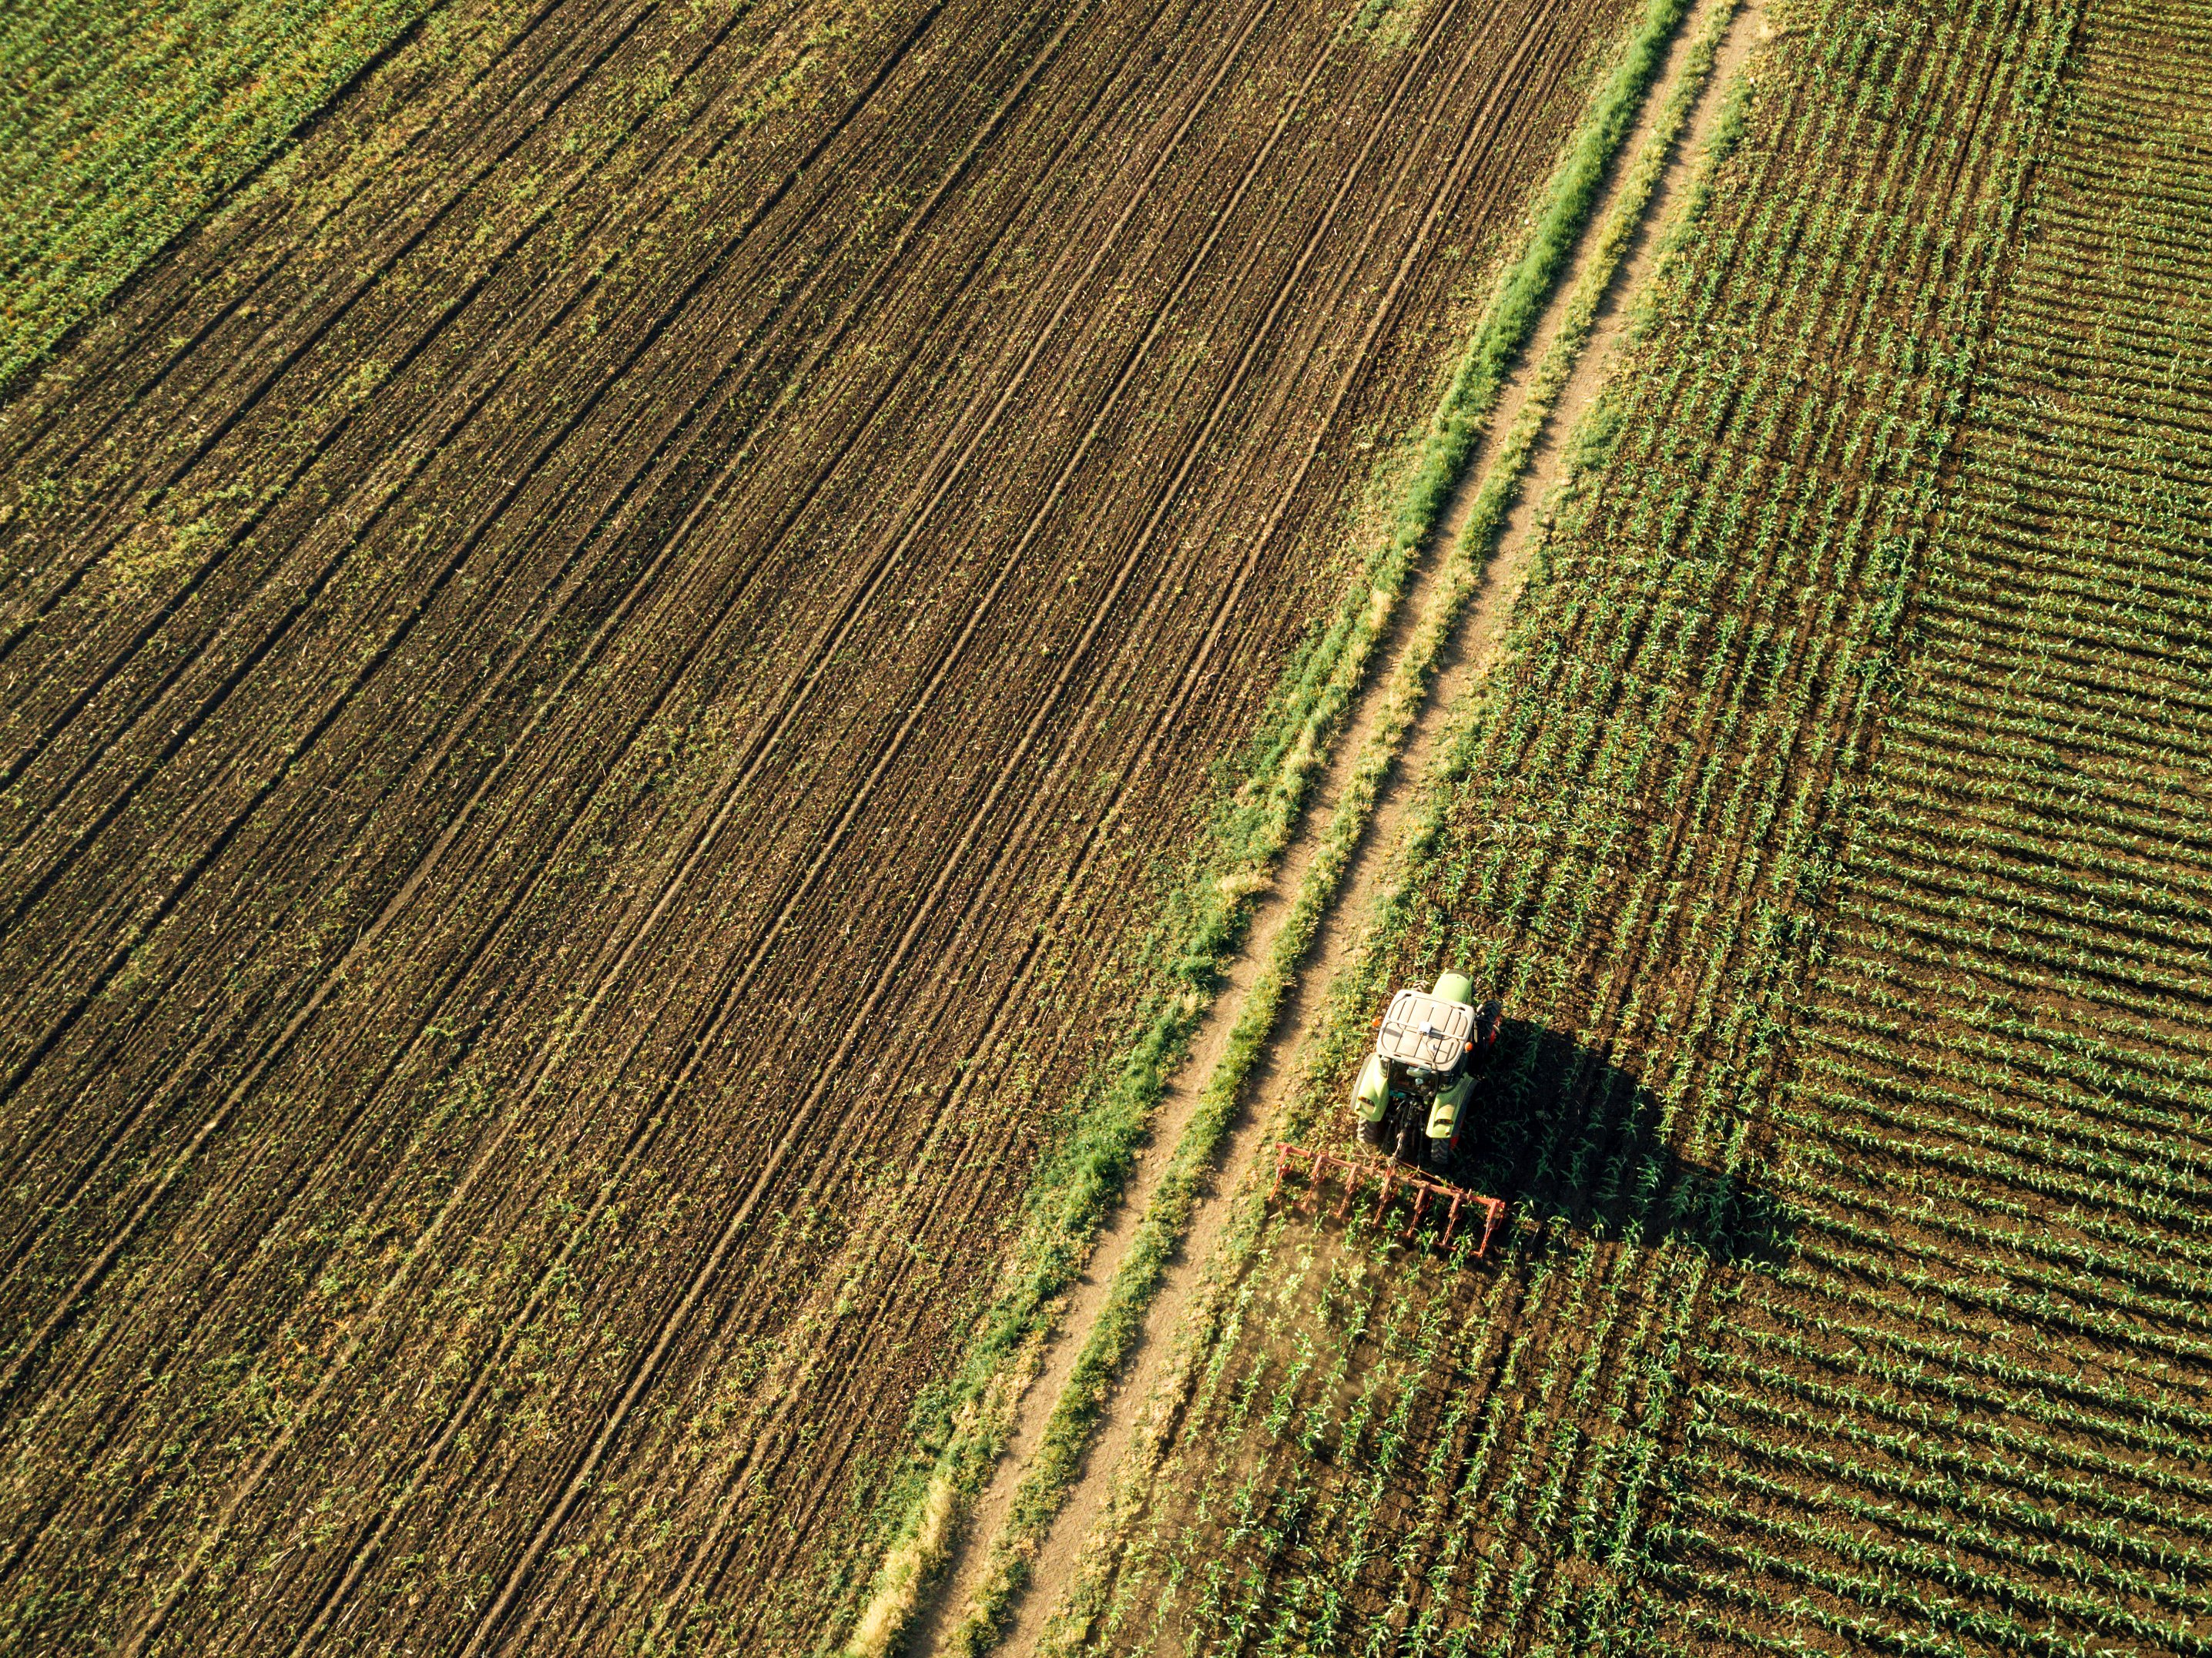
x=669, y=846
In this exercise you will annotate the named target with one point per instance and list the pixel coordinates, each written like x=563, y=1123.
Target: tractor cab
x=1413, y=1093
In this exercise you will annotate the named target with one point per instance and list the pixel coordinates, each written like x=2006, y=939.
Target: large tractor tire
x=1371, y=1106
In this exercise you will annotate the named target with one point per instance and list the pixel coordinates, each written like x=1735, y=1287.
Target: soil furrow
x=879, y=620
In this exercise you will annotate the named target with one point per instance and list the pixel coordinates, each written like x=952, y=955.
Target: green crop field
x=121, y=125
x=1837, y=835
x=712, y=713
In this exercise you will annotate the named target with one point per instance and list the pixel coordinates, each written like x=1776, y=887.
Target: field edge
x=962, y=1432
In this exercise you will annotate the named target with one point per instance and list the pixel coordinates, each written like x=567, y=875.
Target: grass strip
x=968, y=1424
x=124, y=124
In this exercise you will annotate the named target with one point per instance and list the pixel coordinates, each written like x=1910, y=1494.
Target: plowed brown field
x=594, y=679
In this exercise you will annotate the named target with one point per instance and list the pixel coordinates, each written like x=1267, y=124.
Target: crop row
x=1980, y=1392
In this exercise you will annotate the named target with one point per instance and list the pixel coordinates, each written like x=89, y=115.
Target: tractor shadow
x=1557, y=1129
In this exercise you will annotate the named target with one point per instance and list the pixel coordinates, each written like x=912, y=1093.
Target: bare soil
x=595, y=679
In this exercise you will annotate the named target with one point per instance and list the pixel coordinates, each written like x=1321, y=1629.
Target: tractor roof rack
x=1426, y=1031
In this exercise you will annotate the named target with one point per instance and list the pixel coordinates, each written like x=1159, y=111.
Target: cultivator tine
x=1489, y=1226
x=1421, y=1208
x=1425, y=1193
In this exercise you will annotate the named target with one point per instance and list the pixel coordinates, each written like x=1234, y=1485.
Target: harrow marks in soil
x=517, y=727
x=1394, y=1180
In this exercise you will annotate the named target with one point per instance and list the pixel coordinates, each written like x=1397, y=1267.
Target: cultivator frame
x=1393, y=1176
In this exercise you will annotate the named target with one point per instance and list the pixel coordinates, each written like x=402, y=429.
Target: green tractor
x=1411, y=1102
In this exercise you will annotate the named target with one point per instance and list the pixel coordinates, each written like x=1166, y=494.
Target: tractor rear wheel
x=1439, y=1158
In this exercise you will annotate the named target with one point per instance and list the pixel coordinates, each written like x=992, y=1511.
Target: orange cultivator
x=1395, y=1179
